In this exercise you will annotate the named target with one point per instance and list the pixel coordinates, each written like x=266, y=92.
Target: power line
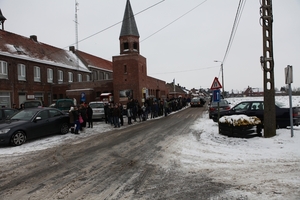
x=235, y=26
x=120, y=22
x=174, y=21
x=189, y=70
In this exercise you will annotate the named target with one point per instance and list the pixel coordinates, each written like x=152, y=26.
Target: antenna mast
x=76, y=31
x=76, y=23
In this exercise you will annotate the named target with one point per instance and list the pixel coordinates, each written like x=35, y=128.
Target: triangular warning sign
x=216, y=84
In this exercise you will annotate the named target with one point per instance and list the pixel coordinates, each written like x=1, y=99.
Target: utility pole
x=267, y=63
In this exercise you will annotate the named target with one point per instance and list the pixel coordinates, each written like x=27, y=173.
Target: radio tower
x=76, y=31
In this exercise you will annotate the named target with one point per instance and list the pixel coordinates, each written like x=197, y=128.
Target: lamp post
x=222, y=76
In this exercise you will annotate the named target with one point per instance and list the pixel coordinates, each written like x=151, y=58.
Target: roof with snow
x=13, y=45
x=95, y=62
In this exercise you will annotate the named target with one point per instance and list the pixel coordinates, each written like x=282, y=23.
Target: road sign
x=216, y=84
x=216, y=95
x=82, y=98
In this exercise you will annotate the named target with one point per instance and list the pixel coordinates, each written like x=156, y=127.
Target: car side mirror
x=37, y=118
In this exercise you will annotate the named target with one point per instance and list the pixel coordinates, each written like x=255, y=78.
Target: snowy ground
x=268, y=162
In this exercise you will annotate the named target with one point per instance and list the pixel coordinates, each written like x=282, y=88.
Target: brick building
x=30, y=69
x=130, y=79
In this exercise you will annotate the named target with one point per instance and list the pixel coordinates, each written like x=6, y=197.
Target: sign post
x=216, y=85
x=288, y=80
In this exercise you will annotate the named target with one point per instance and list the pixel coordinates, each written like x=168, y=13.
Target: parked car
x=6, y=112
x=33, y=123
x=256, y=108
x=197, y=102
x=213, y=107
x=32, y=103
x=64, y=104
x=98, y=109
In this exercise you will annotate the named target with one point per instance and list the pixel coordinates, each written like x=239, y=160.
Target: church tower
x=129, y=68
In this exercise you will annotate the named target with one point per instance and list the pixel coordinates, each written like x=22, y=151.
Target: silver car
x=98, y=109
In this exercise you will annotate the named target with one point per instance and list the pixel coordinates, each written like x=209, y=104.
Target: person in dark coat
x=106, y=113
x=89, y=112
x=121, y=114
x=111, y=116
x=116, y=115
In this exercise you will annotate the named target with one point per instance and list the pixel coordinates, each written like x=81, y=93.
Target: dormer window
x=19, y=50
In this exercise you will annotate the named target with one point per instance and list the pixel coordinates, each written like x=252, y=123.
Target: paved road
x=121, y=164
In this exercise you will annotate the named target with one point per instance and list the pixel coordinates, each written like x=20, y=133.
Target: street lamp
x=222, y=76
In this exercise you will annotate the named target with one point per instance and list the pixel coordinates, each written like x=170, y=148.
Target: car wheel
x=64, y=128
x=18, y=138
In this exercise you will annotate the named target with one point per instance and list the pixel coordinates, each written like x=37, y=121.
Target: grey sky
x=185, y=50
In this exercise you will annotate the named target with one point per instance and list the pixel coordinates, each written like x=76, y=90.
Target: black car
x=6, y=112
x=33, y=123
x=256, y=108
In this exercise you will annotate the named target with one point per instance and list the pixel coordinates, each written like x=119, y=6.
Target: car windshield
x=97, y=105
x=195, y=100
x=26, y=115
x=65, y=104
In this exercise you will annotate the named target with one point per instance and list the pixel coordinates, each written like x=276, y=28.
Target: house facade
x=30, y=69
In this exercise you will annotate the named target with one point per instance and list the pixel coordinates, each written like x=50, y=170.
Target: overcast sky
x=180, y=39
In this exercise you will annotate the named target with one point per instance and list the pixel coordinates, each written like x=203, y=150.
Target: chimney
x=34, y=38
x=72, y=48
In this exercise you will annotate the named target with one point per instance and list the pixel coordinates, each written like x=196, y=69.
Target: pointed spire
x=129, y=26
x=2, y=19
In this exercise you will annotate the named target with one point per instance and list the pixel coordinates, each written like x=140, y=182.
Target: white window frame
x=21, y=72
x=70, y=75
x=37, y=73
x=3, y=69
x=79, y=77
x=88, y=78
x=60, y=75
x=50, y=75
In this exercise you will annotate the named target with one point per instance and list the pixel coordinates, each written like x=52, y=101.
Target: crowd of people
x=80, y=117
x=136, y=112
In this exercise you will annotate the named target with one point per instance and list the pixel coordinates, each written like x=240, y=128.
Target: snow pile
x=240, y=120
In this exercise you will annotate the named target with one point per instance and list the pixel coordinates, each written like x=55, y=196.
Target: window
x=21, y=72
x=43, y=114
x=135, y=46
x=106, y=76
x=79, y=78
x=126, y=46
x=3, y=69
x=95, y=75
x=70, y=77
x=88, y=78
x=101, y=76
x=125, y=69
x=37, y=74
x=50, y=75
x=60, y=76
